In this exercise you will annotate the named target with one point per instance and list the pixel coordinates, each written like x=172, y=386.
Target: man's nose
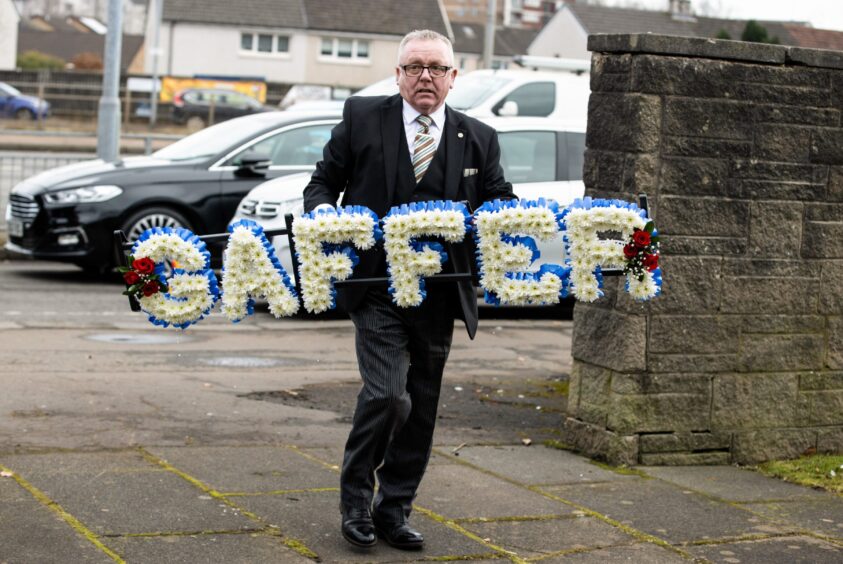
x=426, y=70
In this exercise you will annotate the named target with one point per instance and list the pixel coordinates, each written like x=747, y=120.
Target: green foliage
x=818, y=471
x=722, y=34
x=34, y=60
x=757, y=33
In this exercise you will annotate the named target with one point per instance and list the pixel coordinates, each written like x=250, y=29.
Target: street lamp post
x=108, y=119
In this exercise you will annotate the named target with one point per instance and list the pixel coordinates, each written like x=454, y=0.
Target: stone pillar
x=740, y=149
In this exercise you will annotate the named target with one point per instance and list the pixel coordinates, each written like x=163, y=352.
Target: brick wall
x=740, y=148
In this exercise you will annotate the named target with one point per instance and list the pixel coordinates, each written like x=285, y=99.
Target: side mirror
x=252, y=164
x=509, y=109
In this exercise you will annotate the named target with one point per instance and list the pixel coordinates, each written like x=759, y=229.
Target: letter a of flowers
x=409, y=259
x=192, y=286
x=583, y=220
x=503, y=230
x=321, y=238
x=251, y=268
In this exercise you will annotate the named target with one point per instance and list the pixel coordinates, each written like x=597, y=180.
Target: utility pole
x=156, y=56
x=489, y=36
x=108, y=118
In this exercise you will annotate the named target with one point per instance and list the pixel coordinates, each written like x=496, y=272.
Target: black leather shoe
x=357, y=527
x=399, y=534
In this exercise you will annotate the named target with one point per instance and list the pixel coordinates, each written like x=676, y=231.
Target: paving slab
x=314, y=519
x=538, y=465
x=534, y=538
x=790, y=550
x=138, y=502
x=823, y=516
x=30, y=532
x=249, y=469
x=334, y=455
x=77, y=463
x=731, y=483
x=633, y=554
x=455, y=491
x=664, y=511
x=231, y=549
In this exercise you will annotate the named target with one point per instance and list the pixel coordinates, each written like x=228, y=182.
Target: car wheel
x=195, y=123
x=24, y=115
x=153, y=217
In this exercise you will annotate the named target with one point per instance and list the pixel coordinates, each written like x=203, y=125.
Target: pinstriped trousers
x=401, y=353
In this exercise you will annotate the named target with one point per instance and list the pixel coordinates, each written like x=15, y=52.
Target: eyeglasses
x=436, y=71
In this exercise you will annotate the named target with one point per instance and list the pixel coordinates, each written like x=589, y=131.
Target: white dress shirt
x=412, y=127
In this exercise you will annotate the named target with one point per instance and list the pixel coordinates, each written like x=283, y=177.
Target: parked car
x=70, y=213
x=199, y=107
x=20, y=106
x=542, y=158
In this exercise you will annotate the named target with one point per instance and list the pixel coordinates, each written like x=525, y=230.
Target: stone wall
x=740, y=149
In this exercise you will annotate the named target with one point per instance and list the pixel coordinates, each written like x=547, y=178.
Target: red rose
x=150, y=288
x=629, y=251
x=144, y=265
x=131, y=277
x=651, y=262
x=641, y=238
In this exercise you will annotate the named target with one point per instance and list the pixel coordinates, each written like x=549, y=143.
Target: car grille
x=23, y=207
x=260, y=208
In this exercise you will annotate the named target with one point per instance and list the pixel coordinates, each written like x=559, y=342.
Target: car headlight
x=86, y=195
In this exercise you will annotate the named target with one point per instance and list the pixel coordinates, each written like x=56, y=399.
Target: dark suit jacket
x=361, y=162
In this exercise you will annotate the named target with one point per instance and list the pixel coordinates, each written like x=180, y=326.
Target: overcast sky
x=823, y=14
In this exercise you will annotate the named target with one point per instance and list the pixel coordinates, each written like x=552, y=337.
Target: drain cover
x=242, y=361
x=139, y=339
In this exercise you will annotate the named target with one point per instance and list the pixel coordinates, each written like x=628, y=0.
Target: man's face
x=424, y=92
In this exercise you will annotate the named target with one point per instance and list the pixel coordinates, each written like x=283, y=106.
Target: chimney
x=680, y=10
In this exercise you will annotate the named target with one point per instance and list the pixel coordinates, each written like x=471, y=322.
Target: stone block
x=692, y=362
x=628, y=122
x=818, y=381
x=798, y=115
x=603, y=170
x=776, y=353
x=640, y=176
x=686, y=459
x=822, y=239
x=701, y=117
x=769, y=295
x=692, y=46
x=610, y=339
x=694, y=177
x=813, y=96
x=752, y=447
x=783, y=324
x=757, y=401
x=743, y=169
x=834, y=360
x=647, y=383
x=776, y=190
x=835, y=184
x=825, y=212
x=659, y=413
x=824, y=58
x=827, y=146
x=826, y=407
x=831, y=287
x=830, y=440
x=704, y=246
x=703, y=217
x=693, y=334
x=689, y=442
x=674, y=145
x=769, y=268
x=610, y=73
x=597, y=442
x=782, y=143
x=692, y=285
x=593, y=393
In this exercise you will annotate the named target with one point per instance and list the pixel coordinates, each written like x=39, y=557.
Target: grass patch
x=817, y=471
x=550, y=389
x=557, y=444
x=625, y=470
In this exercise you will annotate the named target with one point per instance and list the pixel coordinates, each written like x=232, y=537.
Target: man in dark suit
x=389, y=151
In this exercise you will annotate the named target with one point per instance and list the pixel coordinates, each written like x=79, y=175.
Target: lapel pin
x=460, y=135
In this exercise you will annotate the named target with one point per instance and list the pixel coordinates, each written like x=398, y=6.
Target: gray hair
x=425, y=35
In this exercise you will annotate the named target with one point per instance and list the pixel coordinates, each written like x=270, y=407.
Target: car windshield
x=471, y=90
x=211, y=140
x=9, y=90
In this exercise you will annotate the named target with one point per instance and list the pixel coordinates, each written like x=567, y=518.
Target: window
x=528, y=156
x=301, y=146
x=344, y=49
x=575, y=143
x=537, y=99
x=264, y=43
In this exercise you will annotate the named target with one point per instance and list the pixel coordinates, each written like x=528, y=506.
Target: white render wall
x=8, y=35
x=383, y=58
x=563, y=36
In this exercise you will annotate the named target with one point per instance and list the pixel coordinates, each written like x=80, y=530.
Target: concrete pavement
x=120, y=442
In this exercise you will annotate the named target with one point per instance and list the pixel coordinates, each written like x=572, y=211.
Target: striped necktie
x=424, y=147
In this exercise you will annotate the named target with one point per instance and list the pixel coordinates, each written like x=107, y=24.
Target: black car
x=198, y=107
x=70, y=213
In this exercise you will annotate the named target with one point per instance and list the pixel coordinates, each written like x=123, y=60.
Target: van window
x=528, y=156
x=472, y=90
x=300, y=146
x=536, y=99
x=575, y=143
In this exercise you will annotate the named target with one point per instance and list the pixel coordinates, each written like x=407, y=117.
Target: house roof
x=68, y=44
x=389, y=17
x=816, y=38
x=509, y=41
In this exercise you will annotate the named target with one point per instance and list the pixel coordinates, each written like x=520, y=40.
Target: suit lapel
x=392, y=133
x=455, y=147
